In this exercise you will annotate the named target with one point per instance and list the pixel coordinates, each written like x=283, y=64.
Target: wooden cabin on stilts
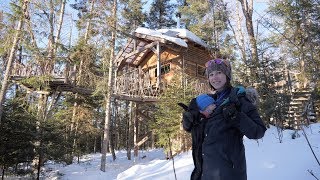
x=147, y=64
x=144, y=67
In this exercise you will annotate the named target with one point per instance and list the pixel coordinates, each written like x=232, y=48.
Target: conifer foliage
x=161, y=14
x=207, y=19
x=17, y=136
x=300, y=34
x=169, y=114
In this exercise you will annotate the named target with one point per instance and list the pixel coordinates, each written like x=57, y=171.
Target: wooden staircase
x=303, y=109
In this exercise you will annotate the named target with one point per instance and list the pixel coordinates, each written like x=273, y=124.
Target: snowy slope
x=267, y=159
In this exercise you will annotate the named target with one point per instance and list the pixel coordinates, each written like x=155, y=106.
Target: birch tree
x=16, y=39
x=239, y=38
x=247, y=9
x=108, y=96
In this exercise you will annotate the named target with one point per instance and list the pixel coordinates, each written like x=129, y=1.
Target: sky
x=267, y=159
x=69, y=25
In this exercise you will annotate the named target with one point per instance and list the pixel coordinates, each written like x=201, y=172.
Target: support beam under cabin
x=158, y=65
x=135, y=129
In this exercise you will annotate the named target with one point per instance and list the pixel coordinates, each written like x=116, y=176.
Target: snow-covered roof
x=174, y=35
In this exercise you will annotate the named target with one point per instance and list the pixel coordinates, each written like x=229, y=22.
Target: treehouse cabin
x=151, y=58
x=148, y=63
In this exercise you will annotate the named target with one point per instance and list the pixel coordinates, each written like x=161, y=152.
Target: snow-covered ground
x=267, y=159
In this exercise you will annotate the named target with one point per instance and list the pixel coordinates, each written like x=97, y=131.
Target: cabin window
x=201, y=71
x=164, y=69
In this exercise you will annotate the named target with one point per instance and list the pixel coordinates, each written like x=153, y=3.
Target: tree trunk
x=95, y=145
x=42, y=106
x=54, y=101
x=86, y=35
x=239, y=37
x=2, y=173
x=112, y=133
x=57, y=40
x=75, y=133
x=74, y=120
x=241, y=43
x=153, y=138
x=182, y=139
x=110, y=89
x=73, y=123
x=39, y=162
x=247, y=11
x=16, y=39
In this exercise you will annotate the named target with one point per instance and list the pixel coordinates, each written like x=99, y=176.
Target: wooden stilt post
x=135, y=129
x=158, y=65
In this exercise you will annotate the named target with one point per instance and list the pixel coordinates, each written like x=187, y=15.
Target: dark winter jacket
x=196, y=128
x=223, y=151
x=217, y=146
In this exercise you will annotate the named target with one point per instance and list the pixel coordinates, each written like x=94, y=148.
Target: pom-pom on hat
x=222, y=65
x=203, y=101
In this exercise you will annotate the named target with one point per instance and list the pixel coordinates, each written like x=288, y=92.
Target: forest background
x=273, y=46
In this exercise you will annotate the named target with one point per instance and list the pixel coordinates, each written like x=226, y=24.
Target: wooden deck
x=54, y=84
x=60, y=79
x=133, y=85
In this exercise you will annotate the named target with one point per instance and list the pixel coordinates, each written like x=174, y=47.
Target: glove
x=185, y=107
x=190, y=115
x=187, y=116
x=233, y=98
x=230, y=112
x=187, y=121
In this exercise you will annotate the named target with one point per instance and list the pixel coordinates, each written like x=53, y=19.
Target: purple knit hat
x=222, y=65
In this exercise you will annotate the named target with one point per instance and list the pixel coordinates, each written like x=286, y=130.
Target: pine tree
x=17, y=134
x=161, y=14
x=208, y=20
x=169, y=114
x=300, y=34
x=132, y=15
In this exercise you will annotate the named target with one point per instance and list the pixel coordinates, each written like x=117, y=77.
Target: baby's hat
x=203, y=101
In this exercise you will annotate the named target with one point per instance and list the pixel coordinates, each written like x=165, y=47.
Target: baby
x=205, y=104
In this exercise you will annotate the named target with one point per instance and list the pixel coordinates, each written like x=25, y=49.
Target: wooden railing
x=29, y=70
x=139, y=85
x=135, y=84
